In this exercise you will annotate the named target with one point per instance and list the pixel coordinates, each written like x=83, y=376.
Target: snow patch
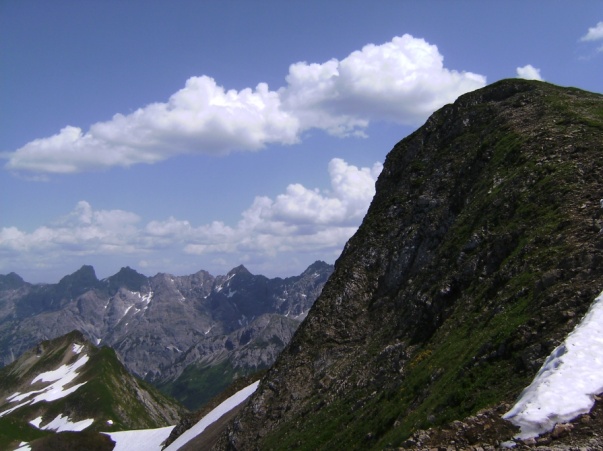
x=60, y=377
x=146, y=298
x=77, y=348
x=12, y=409
x=565, y=386
x=143, y=439
x=126, y=312
x=213, y=416
x=63, y=372
x=62, y=423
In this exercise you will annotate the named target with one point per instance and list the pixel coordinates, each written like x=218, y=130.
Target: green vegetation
x=199, y=384
x=13, y=431
x=108, y=392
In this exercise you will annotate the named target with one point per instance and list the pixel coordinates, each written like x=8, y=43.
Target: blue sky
x=179, y=136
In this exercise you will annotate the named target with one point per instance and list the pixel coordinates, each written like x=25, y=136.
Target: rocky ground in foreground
x=482, y=432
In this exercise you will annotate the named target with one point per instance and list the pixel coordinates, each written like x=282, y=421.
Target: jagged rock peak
x=128, y=278
x=239, y=271
x=77, y=283
x=317, y=266
x=11, y=281
x=85, y=276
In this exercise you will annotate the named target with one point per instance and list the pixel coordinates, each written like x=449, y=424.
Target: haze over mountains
x=161, y=325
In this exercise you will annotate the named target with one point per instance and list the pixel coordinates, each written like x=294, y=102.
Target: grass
x=13, y=431
x=197, y=385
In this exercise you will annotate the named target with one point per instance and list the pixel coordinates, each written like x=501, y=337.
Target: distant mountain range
x=191, y=335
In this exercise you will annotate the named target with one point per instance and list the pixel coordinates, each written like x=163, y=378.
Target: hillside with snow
x=69, y=385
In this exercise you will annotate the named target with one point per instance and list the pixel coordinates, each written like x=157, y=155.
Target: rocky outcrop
x=480, y=251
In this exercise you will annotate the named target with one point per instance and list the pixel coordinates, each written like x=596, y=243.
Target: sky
x=176, y=136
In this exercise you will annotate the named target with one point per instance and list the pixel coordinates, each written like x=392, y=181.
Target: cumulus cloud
x=301, y=220
x=529, y=72
x=594, y=33
x=403, y=80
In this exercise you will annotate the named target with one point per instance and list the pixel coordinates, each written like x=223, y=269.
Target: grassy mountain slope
x=230, y=357
x=481, y=250
x=109, y=395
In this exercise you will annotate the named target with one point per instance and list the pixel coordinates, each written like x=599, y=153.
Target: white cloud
x=594, y=33
x=301, y=220
x=82, y=232
x=529, y=72
x=201, y=117
x=403, y=80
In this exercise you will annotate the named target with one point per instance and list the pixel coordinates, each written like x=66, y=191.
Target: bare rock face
x=480, y=251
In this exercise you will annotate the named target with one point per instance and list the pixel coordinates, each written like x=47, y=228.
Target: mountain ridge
x=153, y=322
x=478, y=255
x=67, y=384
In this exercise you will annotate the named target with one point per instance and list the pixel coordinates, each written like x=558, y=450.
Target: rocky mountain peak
x=315, y=268
x=82, y=279
x=127, y=278
x=479, y=252
x=11, y=281
x=239, y=271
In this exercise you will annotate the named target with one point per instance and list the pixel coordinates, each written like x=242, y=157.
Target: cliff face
x=481, y=250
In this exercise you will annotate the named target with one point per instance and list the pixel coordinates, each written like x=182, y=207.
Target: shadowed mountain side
x=480, y=251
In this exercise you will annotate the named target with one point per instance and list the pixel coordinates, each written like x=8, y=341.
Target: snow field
x=143, y=439
x=151, y=439
x=214, y=415
x=565, y=386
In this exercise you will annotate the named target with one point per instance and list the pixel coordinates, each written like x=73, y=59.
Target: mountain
x=159, y=325
x=210, y=366
x=67, y=384
x=481, y=250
